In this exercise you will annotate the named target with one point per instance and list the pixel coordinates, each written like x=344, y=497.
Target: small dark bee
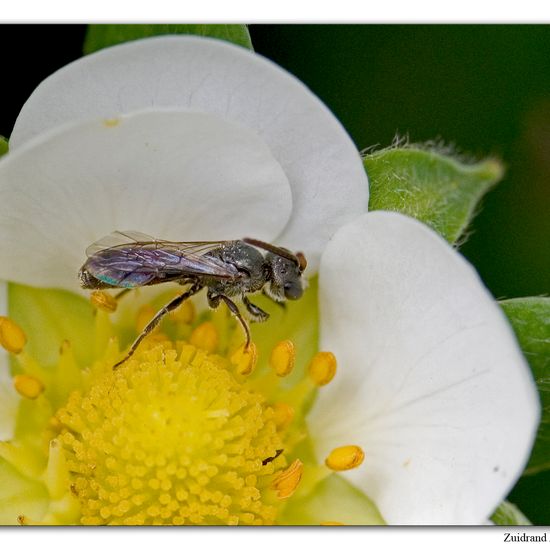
x=227, y=269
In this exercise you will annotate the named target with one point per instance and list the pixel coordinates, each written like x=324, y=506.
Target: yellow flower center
x=171, y=438
x=186, y=431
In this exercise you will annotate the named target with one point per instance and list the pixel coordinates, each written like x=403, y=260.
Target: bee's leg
x=120, y=294
x=214, y=302
x=271, y=458
x=257, y=314
x=280, y=303
x=170, y=306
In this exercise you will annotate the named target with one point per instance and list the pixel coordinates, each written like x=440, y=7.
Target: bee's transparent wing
x=131, y=259
x=142, y=240
x=118, y=238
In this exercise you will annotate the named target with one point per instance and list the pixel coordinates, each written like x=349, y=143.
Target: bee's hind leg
x=170, y=306
x=214, y=302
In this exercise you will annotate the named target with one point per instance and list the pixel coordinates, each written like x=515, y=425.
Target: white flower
x=188, y=138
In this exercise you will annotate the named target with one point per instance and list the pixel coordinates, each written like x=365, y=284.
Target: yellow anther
x=282, y=358
x=144, y=315
x=28, y=386
x=111, y=122
x=205, y=337
x=322, y=367
x=284, y=415
x=185, y=313
x=102, y=300
x=12, y=337
x=345, y=458
x=245, y=359
x=331, y=523
x=286, y=482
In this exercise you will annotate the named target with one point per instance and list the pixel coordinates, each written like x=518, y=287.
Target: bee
x=227, y=269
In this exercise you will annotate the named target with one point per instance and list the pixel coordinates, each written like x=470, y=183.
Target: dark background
x=483, y=88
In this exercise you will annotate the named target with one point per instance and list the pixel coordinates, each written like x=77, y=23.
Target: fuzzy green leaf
x=429, y=186
x=530, y=318
x=103, y=36
x=509, y=514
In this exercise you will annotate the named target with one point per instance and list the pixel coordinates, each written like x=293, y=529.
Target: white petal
x=329, y=185
x=431, y=382
x=174, y=175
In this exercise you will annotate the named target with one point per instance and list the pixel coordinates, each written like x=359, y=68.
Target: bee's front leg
x=280, y=303
x=257, y=314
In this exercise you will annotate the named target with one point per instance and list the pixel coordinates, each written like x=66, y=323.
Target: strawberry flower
x=396, y=412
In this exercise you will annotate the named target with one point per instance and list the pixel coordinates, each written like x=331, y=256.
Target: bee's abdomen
x=87, y=280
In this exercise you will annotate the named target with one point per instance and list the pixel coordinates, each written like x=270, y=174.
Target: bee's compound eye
x=293, y=291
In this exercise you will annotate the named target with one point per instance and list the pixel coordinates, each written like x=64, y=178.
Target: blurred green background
x=483, y=88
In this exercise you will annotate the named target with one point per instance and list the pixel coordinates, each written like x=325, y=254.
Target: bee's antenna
x=283, y=252
x=302, y=262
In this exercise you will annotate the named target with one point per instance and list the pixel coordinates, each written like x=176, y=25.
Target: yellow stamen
x=102, y=300
x=56, y=475
x=185, y=313
x=28, y=386
x=322, y=368
x=286, y=483
x=144, y=315
x=282, y=358
x=331, y=523
x=345, y=458
x=245, y=359
x=205, y=337
x=12, y=337
x=283, y=416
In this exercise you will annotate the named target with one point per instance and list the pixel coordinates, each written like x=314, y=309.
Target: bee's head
x=285, y=275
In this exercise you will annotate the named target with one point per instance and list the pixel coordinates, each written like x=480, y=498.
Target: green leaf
x=429, y=186
x=103, y=36
x=530, y=318
x=49, y=317
x=3, y=145
x=332, y=500
x=509, y=514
